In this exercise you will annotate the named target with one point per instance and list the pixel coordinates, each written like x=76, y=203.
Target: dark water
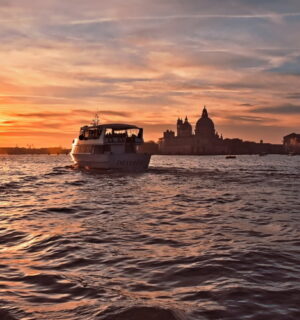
x=192, y=238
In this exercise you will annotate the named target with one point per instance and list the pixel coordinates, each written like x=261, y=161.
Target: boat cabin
x=116, y=138
x=113, y=133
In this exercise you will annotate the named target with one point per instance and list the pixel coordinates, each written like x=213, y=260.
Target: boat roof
x=116, y=126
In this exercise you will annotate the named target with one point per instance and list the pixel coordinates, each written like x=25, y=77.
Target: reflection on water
x=191, y=238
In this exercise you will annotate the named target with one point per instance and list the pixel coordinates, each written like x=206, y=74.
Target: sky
x=148, y=63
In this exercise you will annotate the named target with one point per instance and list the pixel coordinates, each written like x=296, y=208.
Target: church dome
x=205, y=126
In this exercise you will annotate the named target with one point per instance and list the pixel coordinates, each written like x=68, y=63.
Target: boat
x=110, y=146
x=263, y=154
x=230, y=157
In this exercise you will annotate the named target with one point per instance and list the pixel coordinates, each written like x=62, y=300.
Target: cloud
x=40, y=114
x=101, y=20
x=112, y=80
x=246, y=118
x=123, y=114
x=8, y=122
x=287, y=109
x=212, y=59
x=291, y=66
x=294, y=95
x=68, y=114
x=39, y=133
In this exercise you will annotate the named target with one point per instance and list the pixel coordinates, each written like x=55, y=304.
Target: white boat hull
x=126, y=162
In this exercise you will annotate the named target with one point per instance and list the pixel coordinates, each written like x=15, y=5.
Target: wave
x=141, y=313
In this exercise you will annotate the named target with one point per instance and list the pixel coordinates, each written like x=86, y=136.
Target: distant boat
x=262, y=154
x=230, y=157
x=110, y=146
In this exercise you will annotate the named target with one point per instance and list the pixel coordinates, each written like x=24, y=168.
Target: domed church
x=205, y=140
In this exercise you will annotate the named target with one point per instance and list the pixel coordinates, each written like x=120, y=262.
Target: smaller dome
x=186, y=123
x=184, y=128
x=179, y=121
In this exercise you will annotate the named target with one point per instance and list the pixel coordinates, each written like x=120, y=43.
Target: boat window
x=94, y=133
x=123, y=135
x=81, y=135
x=119, y=132
x=108, y=132
x=113, y=135
x=86, y=134
x=91, y=133
x=119, y=135
x=132, y=132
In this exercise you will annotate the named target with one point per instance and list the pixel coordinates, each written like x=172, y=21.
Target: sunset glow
x=147, y=63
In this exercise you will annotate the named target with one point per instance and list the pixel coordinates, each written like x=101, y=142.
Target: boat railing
x=114, y=139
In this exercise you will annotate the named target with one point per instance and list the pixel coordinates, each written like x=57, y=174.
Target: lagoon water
x=191, y=238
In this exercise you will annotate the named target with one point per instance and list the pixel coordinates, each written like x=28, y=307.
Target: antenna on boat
x=96, y=120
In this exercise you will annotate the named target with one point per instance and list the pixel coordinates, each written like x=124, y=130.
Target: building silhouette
x=206, y=141
x=291, y=143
